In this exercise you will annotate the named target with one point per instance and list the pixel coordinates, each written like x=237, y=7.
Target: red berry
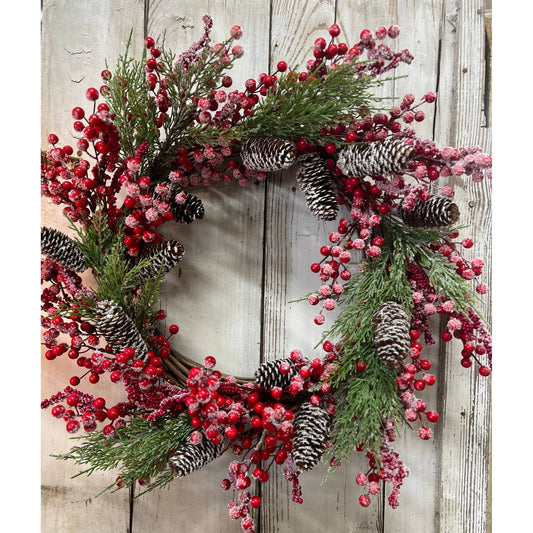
x=485, y=371
x=73, y=426
x=92, y=94
x=255, y=502
x=432, y=416
x=78, y=113
x=58, y=411
x=99, y=403
x=231, y=432
x=425, y=364
x=112, y=413
x=53, y=138
x=351, y=137
x=320, y=43
x=282, y=66
x=72, y=400
x=334, y=30
x=419, y=385
x=360, y=365
x=364, y=500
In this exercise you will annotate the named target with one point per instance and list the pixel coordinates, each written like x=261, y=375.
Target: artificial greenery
x=366, y=398
x=116, y=275
x=138, y=451
x=294, y=108
x=133, y=103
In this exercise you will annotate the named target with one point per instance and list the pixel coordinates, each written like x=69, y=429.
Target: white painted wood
x=215, y=293
x=77, y=38
x=293, y=241
x=464, y=434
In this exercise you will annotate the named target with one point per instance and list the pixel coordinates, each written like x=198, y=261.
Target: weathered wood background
x=249, y=258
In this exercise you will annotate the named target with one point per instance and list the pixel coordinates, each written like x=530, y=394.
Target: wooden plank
x=464, y=436
x=419, y=24
x=73, y=55
x=215, y=294
x=293, y=240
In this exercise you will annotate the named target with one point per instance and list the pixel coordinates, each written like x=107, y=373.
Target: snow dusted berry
x=361, y=479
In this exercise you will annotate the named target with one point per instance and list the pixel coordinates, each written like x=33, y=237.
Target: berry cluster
x=390, y=469
x=83, y=188
x=143, y=381
x=255, y=422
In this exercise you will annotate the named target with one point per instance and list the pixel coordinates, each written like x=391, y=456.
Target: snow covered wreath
x=166, y=123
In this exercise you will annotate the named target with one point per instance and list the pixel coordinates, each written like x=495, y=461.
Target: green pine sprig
x=365, y=399
x=138, y=450
x=293, y=109
x=132, y=102
x=117, y=275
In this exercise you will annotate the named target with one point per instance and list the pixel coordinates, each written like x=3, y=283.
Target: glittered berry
x=364, y=500
x=255, y=502
x=73, y=426
x=485, y=371
x=92, y=94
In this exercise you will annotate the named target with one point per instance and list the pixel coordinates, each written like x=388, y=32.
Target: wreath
x=166, y=123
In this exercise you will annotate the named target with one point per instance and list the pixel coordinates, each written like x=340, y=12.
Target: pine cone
x=268, y=154
x=316, y=182
x=436, y=211
x=62, y=249
x=166, y=255
x=391, y=333
x=268, y=375
x=118, y=329
x=183, y=213
x=191, y=457
x=375, y=158
x=311, y=433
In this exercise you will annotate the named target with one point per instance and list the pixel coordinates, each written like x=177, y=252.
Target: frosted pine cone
x=376, y=158
x=166, y=255
x=184, y=213
x=118, y=329
x=316, y=182
x=436, y=211
x=191, y=457
x=311, y=433
x=268, y=154
x=269, y=376
x=192, y=209
x=62, y=249
x=391, y=333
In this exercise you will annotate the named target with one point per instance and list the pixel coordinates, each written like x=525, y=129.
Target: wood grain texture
x=464, y=434
x=293, y=239
x=215, y=294
x=248, y=260
x=77, y=38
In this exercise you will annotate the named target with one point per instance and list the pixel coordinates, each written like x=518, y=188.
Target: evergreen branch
x=293, y=109
x=139, y=450
x=129, y=101
x=364, y=401
x=95, y=239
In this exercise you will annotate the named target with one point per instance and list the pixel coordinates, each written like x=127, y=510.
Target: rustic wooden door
x=249, y=258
